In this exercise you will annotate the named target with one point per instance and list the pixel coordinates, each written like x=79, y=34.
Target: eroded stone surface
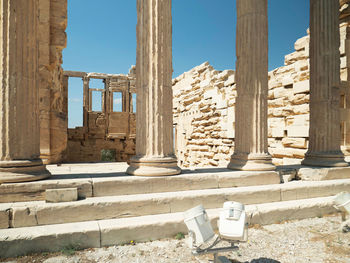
x=154, y=120
x=61, y=195
x=19, y=98
x=324, y=141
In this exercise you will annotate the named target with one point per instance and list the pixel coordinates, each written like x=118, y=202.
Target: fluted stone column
x=86, y=101
x=324, y=137
x=19, y=113
x=251, y=148
x=154, y=121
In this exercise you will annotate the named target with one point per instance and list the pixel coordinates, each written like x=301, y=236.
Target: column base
x=325, y=160
x=22, y=171
x=251, y=162
x=157, y=166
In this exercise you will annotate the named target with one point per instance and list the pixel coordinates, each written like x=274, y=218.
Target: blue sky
x=102, y=37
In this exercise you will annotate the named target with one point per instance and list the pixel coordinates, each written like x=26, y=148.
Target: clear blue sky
x=102, y=37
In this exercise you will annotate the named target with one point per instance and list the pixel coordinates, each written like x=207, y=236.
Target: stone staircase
x=114, y=208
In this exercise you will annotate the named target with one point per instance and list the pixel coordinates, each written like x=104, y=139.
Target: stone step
x=24, y=214
x=110, y=179
x=50, y=238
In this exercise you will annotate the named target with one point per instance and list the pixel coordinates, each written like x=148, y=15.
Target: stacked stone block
x=204, y=106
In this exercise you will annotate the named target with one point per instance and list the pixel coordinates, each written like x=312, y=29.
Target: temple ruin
x=112, y=128
x=204, y=109
x=206, y=103
x=276, y=141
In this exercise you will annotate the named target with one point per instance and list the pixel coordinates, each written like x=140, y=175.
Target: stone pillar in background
x=19, y=110
x=86, y=101
x=324, y=135
x=154, y=120
x=251, y=148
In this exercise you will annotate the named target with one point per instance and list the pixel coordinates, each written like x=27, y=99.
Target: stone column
x=154, y=119
x=251, y=148
x=86, y=101
x=324, y=135
x=19, y=112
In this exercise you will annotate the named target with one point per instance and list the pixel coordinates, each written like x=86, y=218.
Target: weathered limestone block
x=230, y=81
x=23, y=216
x=282, y=112
x=301, y=87
x=294, y=142
x=300, y=109
x=310, y=174
x=271, y=95
x=284, y=70
x=298, y=131
x=287, y=152
x=298, y=120
x=25, y=241
x=275, y=143
x=301, y=76
x=300, y=99
x=277, y=161
x=301, y=65
x=276, y=122
x=61, y=195
x=295, y=56
x=277, y=132
x=277, y=102
x=290, y=161
x=287, y=80
x=302, y=43
x=224, y=75
x=282, y=92
x=4, y=219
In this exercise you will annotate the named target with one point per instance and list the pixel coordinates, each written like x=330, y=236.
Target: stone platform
x=114, y=208
x=110, y=179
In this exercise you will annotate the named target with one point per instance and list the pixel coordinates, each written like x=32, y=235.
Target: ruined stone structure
x=248, y=120
x=113, y=128
x=206, y=113
x=205, y=106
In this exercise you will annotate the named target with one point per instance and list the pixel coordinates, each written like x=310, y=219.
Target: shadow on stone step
x=259, y=260
x=87, y=175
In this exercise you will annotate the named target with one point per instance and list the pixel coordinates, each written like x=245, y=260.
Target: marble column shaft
x=251, y=147
x=325, y=136
x=19, y=111
x=154, y=120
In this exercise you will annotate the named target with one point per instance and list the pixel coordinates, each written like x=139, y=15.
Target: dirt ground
x=310, y=240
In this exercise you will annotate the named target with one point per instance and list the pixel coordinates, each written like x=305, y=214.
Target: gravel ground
x=311, y=240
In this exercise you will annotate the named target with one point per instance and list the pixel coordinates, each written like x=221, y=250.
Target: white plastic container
x=197, y=221
x=342, y=201
x=232, y=222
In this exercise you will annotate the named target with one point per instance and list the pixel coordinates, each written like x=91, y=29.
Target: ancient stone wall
x=52, y=95
x=108, y=134
x=204, y=106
